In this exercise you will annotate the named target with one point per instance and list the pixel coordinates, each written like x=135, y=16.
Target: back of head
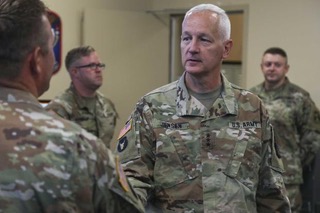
x=75, y=54
x=21, y=30
x=224, y=21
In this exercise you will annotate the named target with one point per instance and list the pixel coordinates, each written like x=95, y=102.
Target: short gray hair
x=224, y=21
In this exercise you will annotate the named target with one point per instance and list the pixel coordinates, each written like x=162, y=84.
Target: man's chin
x=193, y=71
x=272, y=80
x=97, y=86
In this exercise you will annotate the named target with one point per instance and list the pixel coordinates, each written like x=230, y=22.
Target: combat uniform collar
x=11, y=95
x=81, y=101
x=188, y=105
x=277, y=91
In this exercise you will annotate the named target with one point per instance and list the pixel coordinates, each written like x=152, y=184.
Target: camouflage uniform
x=180, y=157
x=297, y=123
x=99, y=119
x=49, y=164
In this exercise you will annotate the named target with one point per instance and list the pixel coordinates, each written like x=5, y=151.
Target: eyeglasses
x=93, y=66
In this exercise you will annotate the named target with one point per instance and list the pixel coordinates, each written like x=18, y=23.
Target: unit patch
x=122, y=144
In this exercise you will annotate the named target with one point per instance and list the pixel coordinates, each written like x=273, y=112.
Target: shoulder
x=163, y=89
x=257, y=89
x=294, y=88
x=47, y=133
x=102, y=98
x=243, y=101
x=62, y=103
x=244, y=95
x=164, y=92
x=105, y=102
x=65, y=95
x=63, y=98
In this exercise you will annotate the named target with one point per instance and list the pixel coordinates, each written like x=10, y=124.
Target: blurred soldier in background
x=81, y=102
x=295, y=118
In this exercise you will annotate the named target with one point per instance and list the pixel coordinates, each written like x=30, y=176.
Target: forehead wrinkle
x=197, y=34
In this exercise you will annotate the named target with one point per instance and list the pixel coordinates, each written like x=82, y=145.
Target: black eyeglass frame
x=92, y=66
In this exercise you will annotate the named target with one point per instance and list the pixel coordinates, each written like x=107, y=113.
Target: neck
x=84, y=91
x=203, y=83
x=19, y=84
x=273, y=85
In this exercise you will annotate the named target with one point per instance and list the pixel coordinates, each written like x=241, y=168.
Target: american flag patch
x=125, y=129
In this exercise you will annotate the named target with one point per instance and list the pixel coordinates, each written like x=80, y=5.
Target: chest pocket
x=244, y=160
x=282, y=111
x=177, y=154
x=86, y=121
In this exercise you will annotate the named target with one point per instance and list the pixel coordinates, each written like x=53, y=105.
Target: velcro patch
x=122, y=144
x=125, y=129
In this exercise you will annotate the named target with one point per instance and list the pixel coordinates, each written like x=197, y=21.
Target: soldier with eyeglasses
x=82, y=103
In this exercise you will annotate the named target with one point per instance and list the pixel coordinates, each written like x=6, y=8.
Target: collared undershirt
x=208, y=98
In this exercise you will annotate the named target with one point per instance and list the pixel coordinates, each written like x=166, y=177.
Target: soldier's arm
x=58, y=109
x=308, y=126
x=271, y=192
x=136, y=152
x=113, y=192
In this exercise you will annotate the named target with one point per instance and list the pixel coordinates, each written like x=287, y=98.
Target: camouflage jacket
x=49, y=164
x=99, y=120
x=181, y=157
x=296, y=121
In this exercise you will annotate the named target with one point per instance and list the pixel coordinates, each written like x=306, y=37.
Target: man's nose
x=193, y=46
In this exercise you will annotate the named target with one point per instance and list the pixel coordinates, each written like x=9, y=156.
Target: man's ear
x=35, y=61
x=227, y=48
x=73, y=71
x=287, y=68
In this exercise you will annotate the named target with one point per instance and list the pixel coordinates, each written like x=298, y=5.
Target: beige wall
x=71, y=13
x=295, y=26
x=291, y=24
